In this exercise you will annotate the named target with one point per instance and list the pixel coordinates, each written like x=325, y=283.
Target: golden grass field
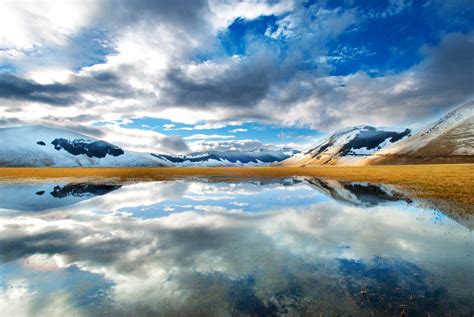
x=450, y=182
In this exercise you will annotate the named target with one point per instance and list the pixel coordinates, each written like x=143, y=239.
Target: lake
x=213, y=247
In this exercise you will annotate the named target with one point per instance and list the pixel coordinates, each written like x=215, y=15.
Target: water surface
x=191, y=247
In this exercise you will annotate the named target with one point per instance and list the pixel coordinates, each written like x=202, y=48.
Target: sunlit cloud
x=212, y=64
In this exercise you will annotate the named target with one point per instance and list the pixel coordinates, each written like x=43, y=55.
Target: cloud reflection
x=266, y=255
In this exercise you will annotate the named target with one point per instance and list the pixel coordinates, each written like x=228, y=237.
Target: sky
x=182, y=76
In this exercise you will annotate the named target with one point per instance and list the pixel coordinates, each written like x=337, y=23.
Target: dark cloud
x=106, y=83
x=282, y=77
x=5, y=122
x=106, y=76
x=187, y=21
x=235, y=86
x=174, y=144
x=240, y=84
x=443, y=80
x=73, y=125
x=448, y=71
x=103, y=83
x=13, y=87
x=439, y=83
x=183, y=14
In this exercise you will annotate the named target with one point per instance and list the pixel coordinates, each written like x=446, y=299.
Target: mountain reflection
x=263, y=247
x=82, y=190
x=38, y=197
x=358, y=194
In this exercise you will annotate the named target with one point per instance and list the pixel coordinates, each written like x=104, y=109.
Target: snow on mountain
x=257, y=157
x=448, y=140
x=347, y=147
x=39, y=146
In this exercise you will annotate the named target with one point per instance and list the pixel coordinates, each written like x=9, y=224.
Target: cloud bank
x=209, y=62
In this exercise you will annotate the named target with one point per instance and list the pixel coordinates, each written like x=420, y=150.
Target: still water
x=200, y=247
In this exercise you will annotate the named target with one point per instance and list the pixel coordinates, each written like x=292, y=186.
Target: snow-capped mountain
x=256, y=157
x=448, y=140
x=347, y=147
x=40, y=146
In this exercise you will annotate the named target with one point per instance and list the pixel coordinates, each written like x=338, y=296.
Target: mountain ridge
x=347, y=146
x=450, y=139
x=41, y=146
x=256, y=157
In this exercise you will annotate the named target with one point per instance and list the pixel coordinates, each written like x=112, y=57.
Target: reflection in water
x=195, y=247
x=357, y=194
x=82, y=190
x=37, y=197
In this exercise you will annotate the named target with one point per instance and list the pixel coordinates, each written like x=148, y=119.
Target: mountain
x=256, y=157
x=347, y=147
x=40, y=146
x=448, y=140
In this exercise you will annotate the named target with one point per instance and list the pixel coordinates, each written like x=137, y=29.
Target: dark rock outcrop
x=98, y=149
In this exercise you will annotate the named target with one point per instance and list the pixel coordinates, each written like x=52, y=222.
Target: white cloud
x=25, y=25
x=238, y=130
x=218, y=125
x=225, y=12
x=144, y=140
x=208, y=136
x=439, y=83
x=168, y=126
x=225, y=145
x=140, y=140
x=152, y=71
x=46, y=76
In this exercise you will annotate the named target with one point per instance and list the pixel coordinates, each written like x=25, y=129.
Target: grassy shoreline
x=452, y=182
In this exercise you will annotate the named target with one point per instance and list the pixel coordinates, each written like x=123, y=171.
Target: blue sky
x=266, y=133
x=181, y=76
